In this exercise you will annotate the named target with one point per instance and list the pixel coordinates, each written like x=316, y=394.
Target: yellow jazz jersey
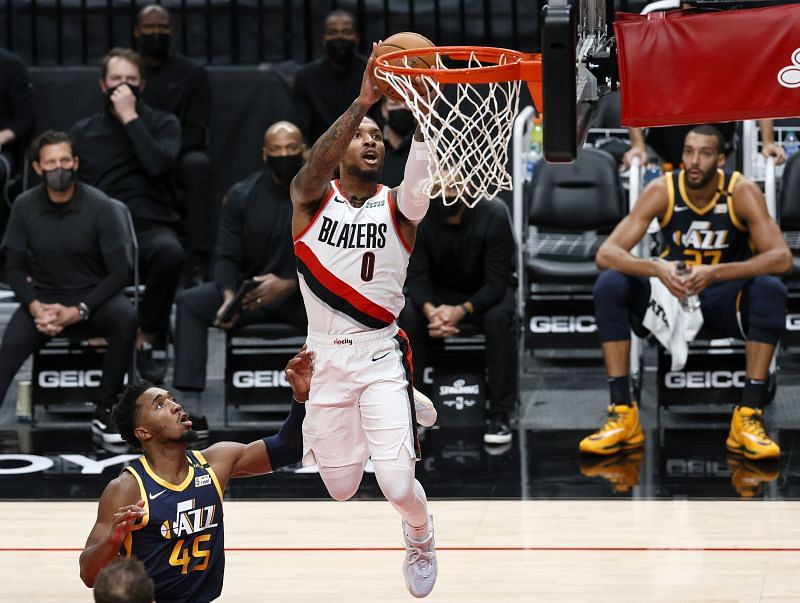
x=180, y=540
x=703, y=235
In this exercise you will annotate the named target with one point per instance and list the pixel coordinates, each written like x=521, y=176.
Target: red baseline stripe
x=338, y=287
x=586, y=549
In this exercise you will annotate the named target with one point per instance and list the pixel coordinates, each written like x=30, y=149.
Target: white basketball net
x=467, y=136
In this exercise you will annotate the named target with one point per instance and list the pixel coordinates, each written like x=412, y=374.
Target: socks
x=619, y=390
x=755, y=392
x=419, y=534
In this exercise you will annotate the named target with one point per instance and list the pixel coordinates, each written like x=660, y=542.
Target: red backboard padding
x=684, y=67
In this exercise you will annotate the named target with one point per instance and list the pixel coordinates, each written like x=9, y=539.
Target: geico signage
x=704, y=379
x=70, y=378
x=793, y=322
x=257, y=379
x=696, y=468
x=563, y=324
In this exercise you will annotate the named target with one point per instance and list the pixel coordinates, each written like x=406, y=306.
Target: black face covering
x=401, y=121
x=135, y=89
x=285, y=167
x=154, y=45
x=445, y=211
x=340, y=50
x=59, y=179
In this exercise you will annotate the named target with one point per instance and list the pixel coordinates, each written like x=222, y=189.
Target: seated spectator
x=461, y=273
x=124, y=581
x=397, y=135
x=734, y=258
x=179, y=86
x=325, y=88
x=128, y=151
x=254, y=241
x=16, y=125
x=667, y=142
x=67, y=263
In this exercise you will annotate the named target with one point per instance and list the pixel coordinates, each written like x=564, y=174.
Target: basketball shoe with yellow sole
x=621, y=469
x=748, y=478
x=747, y=436
x=621, y=431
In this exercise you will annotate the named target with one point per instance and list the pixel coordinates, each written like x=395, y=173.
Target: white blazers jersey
x=351, y=264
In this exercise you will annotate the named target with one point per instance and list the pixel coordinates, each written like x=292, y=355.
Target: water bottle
x=651, y=172
x=790, y=143
x=691, y=303
x=535, y=150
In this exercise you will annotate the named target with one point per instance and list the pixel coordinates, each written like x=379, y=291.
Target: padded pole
x=559, y=89
x=770, y=188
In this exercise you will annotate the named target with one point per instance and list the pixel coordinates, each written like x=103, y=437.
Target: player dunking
x=353, y=238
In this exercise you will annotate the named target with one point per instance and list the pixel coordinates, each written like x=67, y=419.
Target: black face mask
x=59, y=179
x=285, y=167
x=401, y=121
x=445, y=211
x=339, y=50
x=135, y=89
x=154, y=45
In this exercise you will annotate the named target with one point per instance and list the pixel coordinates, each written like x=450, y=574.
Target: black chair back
x=789, y=201
x=582, y=196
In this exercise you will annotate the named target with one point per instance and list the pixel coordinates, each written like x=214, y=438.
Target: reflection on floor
x=50, y=463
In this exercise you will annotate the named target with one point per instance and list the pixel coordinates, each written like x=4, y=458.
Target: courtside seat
x=714, y=374
x=789, y=208
x=569, y=211
x=66, y=372
x=456, y=379
x=789, y=220
x=255, y=356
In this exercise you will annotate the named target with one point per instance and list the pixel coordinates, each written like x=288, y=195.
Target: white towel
x=673, y=326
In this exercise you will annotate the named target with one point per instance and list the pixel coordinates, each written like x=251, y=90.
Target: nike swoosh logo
x=608, y=434
x=379, y=357
x=681, y=208
x=155, y=496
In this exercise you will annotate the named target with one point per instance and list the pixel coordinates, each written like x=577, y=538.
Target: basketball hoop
x=467, y=127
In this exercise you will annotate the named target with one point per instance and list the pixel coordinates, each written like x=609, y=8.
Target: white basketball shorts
x=361, y=403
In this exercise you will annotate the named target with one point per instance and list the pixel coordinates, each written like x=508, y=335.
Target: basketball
x=405, y=40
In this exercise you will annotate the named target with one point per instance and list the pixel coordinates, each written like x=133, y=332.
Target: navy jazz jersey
x=180, y=539
x=707, y=235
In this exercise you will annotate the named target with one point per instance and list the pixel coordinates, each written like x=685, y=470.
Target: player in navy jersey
x=353, y=238
x=166, y=507
x=717, y=224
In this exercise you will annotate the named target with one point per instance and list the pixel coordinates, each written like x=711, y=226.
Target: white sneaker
x=420, y=567
x=426, y=412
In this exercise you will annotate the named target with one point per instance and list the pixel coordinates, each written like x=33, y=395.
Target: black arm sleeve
x=497, y=264
x=229, y=255
x=17, y=273
x=156, y=150
x=21, y=103
x=286, y=446
x=195, y=125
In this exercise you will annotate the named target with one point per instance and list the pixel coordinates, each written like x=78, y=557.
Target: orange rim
x=522, y=66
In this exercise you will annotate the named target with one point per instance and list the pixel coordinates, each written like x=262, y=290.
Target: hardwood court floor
x=496, y=550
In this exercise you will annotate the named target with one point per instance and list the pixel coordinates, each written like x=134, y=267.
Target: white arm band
x=412, y=201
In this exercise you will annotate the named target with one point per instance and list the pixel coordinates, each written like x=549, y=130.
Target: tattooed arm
x=312, y=182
